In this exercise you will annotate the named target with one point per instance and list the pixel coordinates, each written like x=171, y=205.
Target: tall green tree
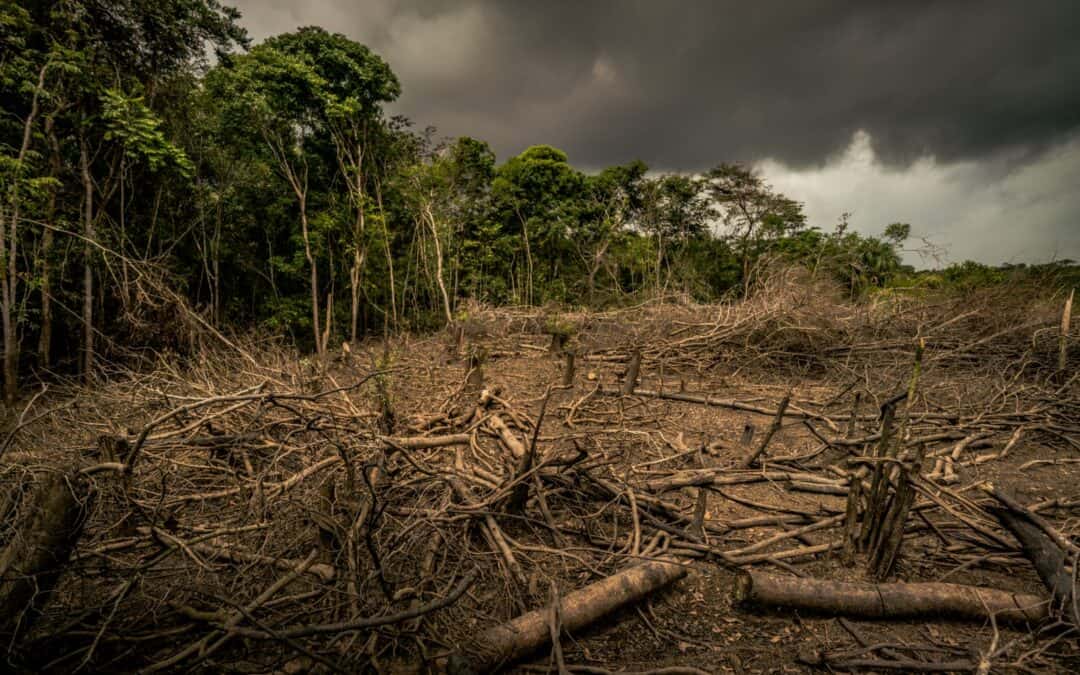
x=751, y=211
x=674, y=210
x=614, y=200
x=355, y=83
x=280, y=97
x=538, y=196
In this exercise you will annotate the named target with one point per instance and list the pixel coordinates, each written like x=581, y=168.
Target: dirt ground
x=694, y=623
x=320, y=472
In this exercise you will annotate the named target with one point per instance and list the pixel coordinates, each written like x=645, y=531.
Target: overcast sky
x=959, y=117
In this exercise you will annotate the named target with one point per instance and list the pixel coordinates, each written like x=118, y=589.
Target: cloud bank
x=993, y=211
x=973, y=106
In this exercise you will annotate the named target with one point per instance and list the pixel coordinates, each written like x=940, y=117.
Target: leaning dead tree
x=43, y=533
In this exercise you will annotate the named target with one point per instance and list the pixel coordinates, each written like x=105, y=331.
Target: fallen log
x=721, y=476
x=507, y=437
x=426, y=442
x=889, y=601
x=32, y=562
x=506, y=643
x=1042, y=546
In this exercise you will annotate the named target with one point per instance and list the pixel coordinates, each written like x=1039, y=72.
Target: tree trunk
x=215, y=257
x=9, y=251
x=528, y=262
x=506, y=643
x=659, y=259
x=11, y=385
x=354, y=292
x=356, y=272
x=389, y=257
x=889, y=601
x=45, y=337
x=439, y=265
x=87, y=361
x=314, y=275
x=594, y=267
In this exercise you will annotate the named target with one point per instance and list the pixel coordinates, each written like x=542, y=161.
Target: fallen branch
x=778, y=420
x=509, y=642
x=889, y=601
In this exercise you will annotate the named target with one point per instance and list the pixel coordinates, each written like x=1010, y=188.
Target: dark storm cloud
x=959, y=117
x=686, y=84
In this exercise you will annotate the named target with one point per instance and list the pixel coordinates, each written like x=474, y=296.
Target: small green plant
x=560, y=327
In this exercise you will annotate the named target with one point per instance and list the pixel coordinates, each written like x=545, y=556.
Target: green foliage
x=897, y=233
x=555, y=325
x=209, y=173
x=138, y=129
x=969, y=275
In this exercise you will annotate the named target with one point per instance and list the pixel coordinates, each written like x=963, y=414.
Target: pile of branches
x=333, y=516
x=796, y=324
x=299, y=516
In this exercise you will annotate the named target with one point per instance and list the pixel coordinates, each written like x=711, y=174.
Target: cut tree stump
x=889, y=601
x=509, y=642
x=33, y=560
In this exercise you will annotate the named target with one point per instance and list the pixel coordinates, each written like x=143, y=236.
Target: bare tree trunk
x=1063, y=337
x=45, y=337
x=430, y=217
x=216, y=258
x=87, y=361
x=329, y=317
x=314, y=275
x=528, y=262
x=506, y=643
x=594, y=267
x=9, y=242
x=6, y=303
x=359, y=255
x=746, y=275
x=659, y=259
x=354, y=292
x=389, y=255
x=888, y=601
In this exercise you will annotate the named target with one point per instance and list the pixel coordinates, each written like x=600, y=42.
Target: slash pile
x=394, y=507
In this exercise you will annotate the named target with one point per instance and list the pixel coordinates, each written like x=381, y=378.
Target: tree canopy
x=148, y=150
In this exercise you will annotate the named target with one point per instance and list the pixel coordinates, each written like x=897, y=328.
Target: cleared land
x=393, y=508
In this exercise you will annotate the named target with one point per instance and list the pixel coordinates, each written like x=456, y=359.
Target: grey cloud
x=992, y=211
x=973, y=106
x=686, y=84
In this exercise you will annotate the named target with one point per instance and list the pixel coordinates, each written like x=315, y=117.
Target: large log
x=33, y=560
x=512, y=641
x=889, y=601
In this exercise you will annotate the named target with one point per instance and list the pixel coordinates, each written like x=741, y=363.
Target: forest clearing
x=773, y=369
x=393, y=508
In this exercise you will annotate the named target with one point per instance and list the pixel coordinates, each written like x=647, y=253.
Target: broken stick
x=750, y=459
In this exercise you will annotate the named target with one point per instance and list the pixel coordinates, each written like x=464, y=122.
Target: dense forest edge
x=162, y=179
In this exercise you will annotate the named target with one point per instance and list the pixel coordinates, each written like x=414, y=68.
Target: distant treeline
x=266, y=187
